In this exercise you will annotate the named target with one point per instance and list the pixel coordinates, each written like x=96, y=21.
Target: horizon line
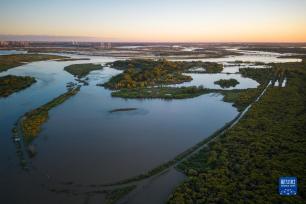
x=65, y=38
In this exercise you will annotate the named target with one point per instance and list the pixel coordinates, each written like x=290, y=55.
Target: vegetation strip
x=32, y=121
x=10, y=84
x=11, y=61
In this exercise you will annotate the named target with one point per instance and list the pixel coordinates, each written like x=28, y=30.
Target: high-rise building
x=3, y=44
x=106, y=45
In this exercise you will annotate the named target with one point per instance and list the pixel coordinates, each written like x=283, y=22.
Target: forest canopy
x=245, y=163
x=143, y=73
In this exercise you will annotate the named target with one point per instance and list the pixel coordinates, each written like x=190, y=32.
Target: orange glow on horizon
x=159, y=21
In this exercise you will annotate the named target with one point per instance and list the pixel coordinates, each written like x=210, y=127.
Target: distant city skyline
x=154, y=21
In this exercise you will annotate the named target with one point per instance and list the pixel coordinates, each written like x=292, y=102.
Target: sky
x=155, y=20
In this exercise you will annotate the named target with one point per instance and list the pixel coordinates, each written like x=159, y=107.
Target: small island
x=82, y=70
x=226, y=83
x=10, y=84
x=122, y=110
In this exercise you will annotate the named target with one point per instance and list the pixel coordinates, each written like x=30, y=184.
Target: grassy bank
x=32, y=121
x=11, y=61
x=82, y=70
x=244, y=164
x=10, y=84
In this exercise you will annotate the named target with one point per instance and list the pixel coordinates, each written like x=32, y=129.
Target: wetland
x=92, y=141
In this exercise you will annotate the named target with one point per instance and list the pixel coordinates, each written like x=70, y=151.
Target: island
x=82, y=70
x=141, y=64
x=10, y=84
x=149, y=73
x=226, y=83
x=162, y=92
x=32, y=121
x=11, y=61
x=143, y=73
x=122, y=110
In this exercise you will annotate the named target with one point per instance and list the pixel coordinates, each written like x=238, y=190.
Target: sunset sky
x=157, y=20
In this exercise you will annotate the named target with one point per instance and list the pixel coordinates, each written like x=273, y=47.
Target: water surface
x=10, y=52
x=122, y=144
x=82, y=142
